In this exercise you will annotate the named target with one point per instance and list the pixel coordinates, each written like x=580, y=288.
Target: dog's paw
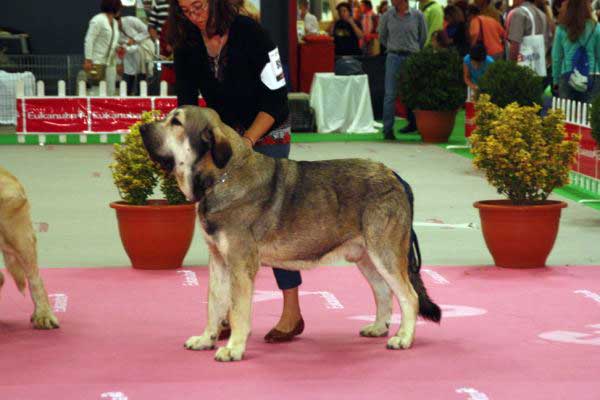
x=402, y=341
x=200, y=343
x=229, y=354
x=374, y=330
x=44, y=319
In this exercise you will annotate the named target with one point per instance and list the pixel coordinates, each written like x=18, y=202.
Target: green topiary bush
x=595, y=119
x=433, y=80
x=506, y=82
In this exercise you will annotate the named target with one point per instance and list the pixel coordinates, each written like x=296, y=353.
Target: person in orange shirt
x=487, y=29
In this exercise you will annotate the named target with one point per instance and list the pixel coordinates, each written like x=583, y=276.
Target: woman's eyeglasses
x=195, y=8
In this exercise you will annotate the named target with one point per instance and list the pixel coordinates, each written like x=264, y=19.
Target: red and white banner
x=87, y=114
x=116, y=114
x=53, y=115
x=588, y=159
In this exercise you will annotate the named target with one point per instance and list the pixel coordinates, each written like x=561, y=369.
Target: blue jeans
x=393, y=64
x=285, y=279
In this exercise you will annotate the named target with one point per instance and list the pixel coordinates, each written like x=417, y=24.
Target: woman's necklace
x=217, y=54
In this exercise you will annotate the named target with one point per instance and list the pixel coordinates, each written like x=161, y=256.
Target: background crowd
x=482, y=31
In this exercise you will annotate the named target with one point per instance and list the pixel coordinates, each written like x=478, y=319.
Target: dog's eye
x=175, y=121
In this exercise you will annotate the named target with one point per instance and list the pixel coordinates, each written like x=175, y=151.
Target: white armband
x=272, y=73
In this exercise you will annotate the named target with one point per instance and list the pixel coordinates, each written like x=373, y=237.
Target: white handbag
x=532, y=53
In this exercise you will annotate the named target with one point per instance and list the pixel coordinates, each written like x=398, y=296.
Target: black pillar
x=274, y=18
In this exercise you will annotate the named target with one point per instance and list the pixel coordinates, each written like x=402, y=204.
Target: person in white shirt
x=139, y=52
x=101, y=42
x=311, y=24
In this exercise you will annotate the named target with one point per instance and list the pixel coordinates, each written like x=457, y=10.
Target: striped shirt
x=158, y=14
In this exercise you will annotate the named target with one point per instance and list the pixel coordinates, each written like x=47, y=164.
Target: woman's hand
x=248, y=141
x=87, y=65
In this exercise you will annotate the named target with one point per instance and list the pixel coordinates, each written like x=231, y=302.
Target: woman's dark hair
x=473, y=11
x=478, y=53
x=111, y=6
x=181, y=31
x=344, y=5
x=556, y=4
x=578, y=12
x=454, y=13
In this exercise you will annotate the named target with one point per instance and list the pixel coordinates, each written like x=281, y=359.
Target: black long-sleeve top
x=240, y=93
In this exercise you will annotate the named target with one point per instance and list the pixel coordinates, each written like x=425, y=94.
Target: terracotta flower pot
x=435, y=126
x=519, y=236
x=157, y=235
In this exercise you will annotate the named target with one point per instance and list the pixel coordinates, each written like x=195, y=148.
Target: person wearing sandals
x=233, y=62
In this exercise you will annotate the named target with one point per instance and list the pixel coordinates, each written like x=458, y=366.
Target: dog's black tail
x=427, y=308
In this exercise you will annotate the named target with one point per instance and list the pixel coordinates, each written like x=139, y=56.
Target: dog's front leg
x=243, y=268
x=219, y=288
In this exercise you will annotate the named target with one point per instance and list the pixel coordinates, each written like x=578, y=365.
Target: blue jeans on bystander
x=393, y=65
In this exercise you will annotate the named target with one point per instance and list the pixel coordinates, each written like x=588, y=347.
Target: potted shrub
x=431, y=83
x=506, y=82
x=156, y=234
x=525, y=156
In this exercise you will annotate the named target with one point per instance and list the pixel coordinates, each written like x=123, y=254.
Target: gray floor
x=70, y=188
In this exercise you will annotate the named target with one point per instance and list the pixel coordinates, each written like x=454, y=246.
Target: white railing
x=83, y=92
x=85, y=114
x=586, y=172
x=575, y=112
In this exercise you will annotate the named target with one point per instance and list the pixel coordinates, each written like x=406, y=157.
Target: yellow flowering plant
x=524, y=155
x=135, y=175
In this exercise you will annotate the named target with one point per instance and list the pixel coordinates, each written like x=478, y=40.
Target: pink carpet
x=505, y=335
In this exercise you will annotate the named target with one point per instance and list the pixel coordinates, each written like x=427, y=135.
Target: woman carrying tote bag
x=100, y=47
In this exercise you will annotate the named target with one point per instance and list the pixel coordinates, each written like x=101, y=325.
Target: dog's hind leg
x=219, y=289
x=383, y=299
x=394, y=271
x=387, y=238
x=21, y=259
x=42, y=317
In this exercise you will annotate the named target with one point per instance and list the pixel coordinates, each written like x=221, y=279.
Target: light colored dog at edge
x=294, y=215
x=19, y=248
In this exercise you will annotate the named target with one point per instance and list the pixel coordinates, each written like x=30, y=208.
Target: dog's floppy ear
x=220, y=148
x=204, y=128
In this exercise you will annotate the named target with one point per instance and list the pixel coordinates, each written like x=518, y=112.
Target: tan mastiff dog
x=18, y=245
x=294, y=215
